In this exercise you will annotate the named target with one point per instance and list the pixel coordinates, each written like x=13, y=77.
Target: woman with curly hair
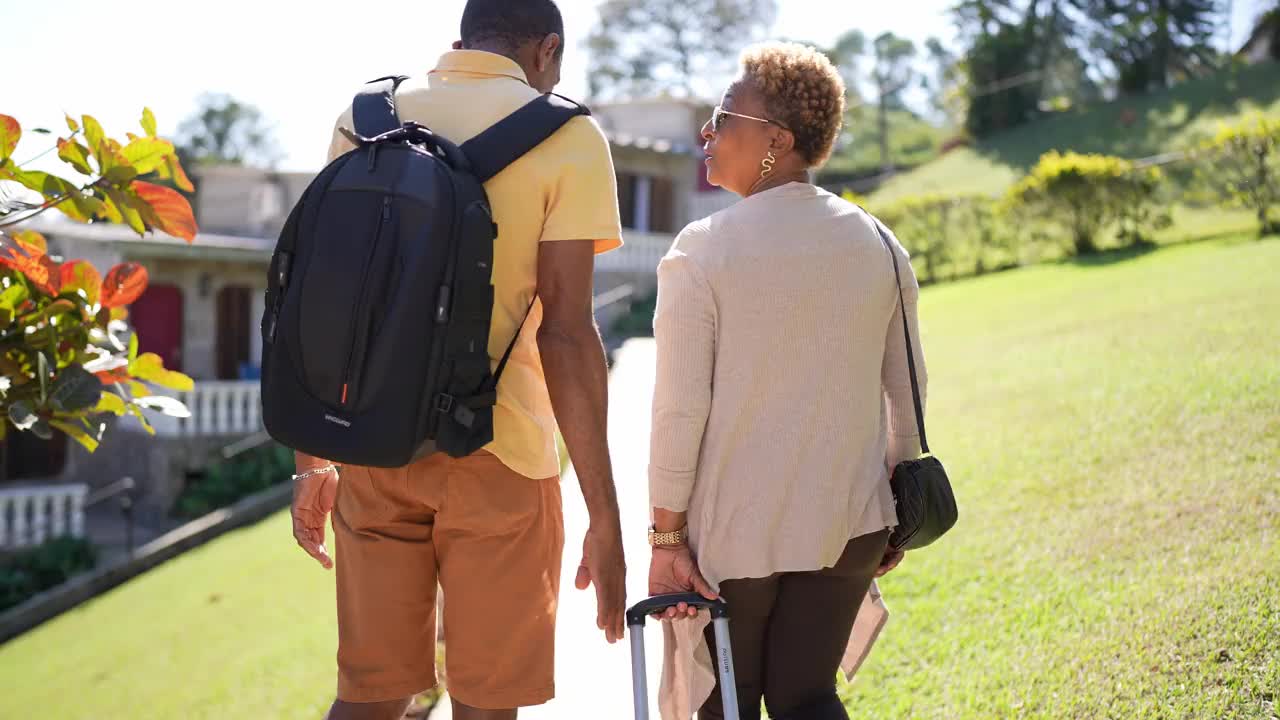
x=781, y=405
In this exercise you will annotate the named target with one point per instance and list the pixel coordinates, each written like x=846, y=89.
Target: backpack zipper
x=383, y=220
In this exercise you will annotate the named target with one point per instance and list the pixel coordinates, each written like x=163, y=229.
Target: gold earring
x=767, y=164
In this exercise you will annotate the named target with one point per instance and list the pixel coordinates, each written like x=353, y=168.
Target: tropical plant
x=68, y=359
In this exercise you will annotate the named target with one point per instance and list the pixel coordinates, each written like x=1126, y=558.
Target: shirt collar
x=479, y=62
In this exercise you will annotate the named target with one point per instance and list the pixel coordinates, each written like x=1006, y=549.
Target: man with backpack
x=486, y=525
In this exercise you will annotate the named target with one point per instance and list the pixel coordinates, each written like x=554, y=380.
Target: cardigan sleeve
x=684, y=328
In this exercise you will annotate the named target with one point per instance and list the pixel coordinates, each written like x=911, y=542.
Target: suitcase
x=636, y=618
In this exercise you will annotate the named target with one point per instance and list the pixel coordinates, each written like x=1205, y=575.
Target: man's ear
x=457, y=44
x=547, y=51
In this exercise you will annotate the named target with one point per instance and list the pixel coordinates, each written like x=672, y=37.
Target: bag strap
x=906, y=333
x=508, y=140
x=373, y=111
x=493, y=150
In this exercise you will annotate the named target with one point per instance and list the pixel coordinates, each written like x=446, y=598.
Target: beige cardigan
x=782, y=400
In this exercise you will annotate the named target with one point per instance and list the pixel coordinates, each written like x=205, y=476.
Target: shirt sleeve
x=904, y=437
x=583, y=202
x=684, y=328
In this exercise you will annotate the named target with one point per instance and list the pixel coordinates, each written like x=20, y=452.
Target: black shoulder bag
x=921, y=491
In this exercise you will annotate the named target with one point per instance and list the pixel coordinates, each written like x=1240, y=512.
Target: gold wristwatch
x=668, y=539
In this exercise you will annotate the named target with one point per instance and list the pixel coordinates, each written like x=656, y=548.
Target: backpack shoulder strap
x=373, y=111
x=493, y=150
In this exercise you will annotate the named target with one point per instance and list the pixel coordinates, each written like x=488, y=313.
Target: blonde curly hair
x=801, y=90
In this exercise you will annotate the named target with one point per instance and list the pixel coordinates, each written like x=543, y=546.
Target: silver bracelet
x=315, y=471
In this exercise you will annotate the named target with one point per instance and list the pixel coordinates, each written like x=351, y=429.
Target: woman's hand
x=673, y=570
x=890, y=561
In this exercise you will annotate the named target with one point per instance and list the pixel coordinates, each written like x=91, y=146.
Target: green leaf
x=10, y=131
x=42, y=131
x=149, y=122
x=75, y=389
x=166, y=405
x=13, y=296
x=42, y=371
x=79, y=206
x=75, y=154
x=76, y=434
x=136, y=411
x=22, y=415
x=94, y=135
x=150, y=368
x=119, y=208
x=148, y=154
x=112, y=403
x=133, y=347
x=72, y=124
x=120, y=174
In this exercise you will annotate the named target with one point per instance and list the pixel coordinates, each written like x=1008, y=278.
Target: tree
x=891, y=74
x=846, y=55
x=642, y=46
x=67, y=358
x=945, y=83
x=1150, y=43
x=225, y=130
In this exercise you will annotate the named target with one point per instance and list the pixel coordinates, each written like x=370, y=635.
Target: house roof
x=207, y=246
x=657, y=145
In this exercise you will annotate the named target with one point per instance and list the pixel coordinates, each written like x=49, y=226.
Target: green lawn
x=1113, y=431
x=243, y=627
x=1161, y=122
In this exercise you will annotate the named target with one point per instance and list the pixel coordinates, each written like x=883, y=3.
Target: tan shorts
x=492, y=539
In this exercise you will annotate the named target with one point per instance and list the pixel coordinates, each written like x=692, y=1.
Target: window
x=646, y=203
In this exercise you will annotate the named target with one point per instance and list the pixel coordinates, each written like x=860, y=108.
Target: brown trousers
x=789, y=631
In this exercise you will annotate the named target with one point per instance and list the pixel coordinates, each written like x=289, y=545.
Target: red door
x=157, y=318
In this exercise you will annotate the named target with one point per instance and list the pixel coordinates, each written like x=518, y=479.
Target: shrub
x=1086, y=194
x=33, y=571
x=1241, y=165
x=949, y=235
x=226, y=482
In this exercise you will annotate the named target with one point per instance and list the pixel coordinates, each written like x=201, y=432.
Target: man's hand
x=890, y=561
x=604, y=566
x=313, y=499
x=673, y=570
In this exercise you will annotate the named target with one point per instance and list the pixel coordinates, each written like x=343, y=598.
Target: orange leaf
x=38, y=268
x=10, y=131
x=124, y=284
x=174, y=166
x=80, y=275
x=31, y=241
x=169, y=211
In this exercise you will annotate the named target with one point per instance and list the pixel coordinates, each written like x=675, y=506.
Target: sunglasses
x=719, y=114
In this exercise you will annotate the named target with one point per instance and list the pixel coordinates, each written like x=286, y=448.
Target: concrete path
x=593, y=678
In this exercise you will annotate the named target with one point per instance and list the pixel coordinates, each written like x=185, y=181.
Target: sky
x=301, y=61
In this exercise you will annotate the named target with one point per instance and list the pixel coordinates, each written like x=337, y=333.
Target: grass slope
x=1162, y=122
x=1113, y=429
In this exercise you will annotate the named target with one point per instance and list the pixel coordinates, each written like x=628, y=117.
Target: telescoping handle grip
x=659, y=603
x=636, y=618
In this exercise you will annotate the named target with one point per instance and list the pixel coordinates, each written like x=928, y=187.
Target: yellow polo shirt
x=564, y=189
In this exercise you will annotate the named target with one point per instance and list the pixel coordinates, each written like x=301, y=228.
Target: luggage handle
x=636, y=618
x=660, y=603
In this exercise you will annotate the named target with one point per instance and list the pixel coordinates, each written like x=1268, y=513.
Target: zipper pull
x=386, y=208
x=442, y=305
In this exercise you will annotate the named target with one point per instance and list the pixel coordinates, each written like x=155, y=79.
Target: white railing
x=32, y=514
x=639, y=253
x=218, y=408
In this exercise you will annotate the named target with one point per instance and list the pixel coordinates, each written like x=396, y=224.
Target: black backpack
x=376, y=330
